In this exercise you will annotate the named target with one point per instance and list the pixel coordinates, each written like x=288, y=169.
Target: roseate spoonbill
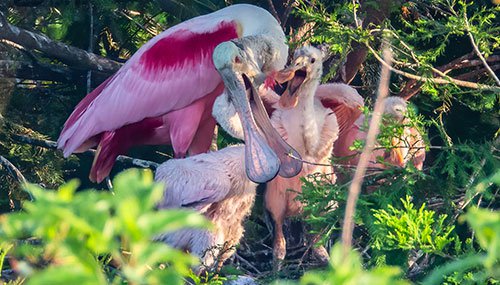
x=164, y=93
x=409, y=147
x=309, y=118
x=215, y=184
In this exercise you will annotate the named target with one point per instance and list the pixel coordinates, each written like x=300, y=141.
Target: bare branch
x=413, y=87
x=91, y=44
x=273, y=11
x=287, y=12
x=34, y=71
x=72, y=56
x=477, y=73
x=446, y=80
x=53, y=145
x=213, y=145
x=13, y=171
x=355, y=187
x=478, y=52
x=16, y=174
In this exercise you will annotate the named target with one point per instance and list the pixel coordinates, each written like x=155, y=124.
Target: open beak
x=261, y=162
x=295, y=77
x=265, y=150
x=291, y=165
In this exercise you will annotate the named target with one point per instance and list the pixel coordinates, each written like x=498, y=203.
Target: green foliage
x=89, y=235
x=347, y=269
x=477, y=268
x=332, y=21
x=410, y=228
x=486, y=226
x=92, y=237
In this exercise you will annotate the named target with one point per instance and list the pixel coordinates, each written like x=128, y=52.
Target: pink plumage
x=410, y=147
x=165, y=92
x=170, y=72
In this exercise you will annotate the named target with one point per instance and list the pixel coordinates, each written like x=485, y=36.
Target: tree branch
x=53, y=145
x=273, y=11
x=29, y=70
x=13, y=171
x=477, y=73
x=355, y=187
x=72, y=56
x=16, y=174
x=287, y=12
x=446, y=80
x=413, y=87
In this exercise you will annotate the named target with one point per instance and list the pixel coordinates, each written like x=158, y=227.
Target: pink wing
x=168, y=73
x=344, y=101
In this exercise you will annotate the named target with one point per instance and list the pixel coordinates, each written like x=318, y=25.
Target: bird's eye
x=313, y=60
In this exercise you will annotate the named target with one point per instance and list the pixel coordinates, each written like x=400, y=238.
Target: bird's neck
x=310, y=125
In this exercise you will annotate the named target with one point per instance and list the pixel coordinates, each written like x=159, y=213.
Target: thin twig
x=273, y=11
x=53, y=145
x=137, y=23
x=213, y=145
x=247, y=263
x=478, y=52
x=287, y=12
x=472, y=179
x=354, y=12
x=331, y=164
x=355, y=187
x=477, y=73
x=91, y=45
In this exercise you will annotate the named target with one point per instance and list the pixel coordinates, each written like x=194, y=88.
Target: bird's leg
x=184, y=124
x=276, y=203
x=279, y=246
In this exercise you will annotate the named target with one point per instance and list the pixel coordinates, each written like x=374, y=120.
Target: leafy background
x=410, y=226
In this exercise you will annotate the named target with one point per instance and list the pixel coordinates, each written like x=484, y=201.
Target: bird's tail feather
x=105, y=156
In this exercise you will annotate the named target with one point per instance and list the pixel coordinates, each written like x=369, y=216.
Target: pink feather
x=168, y=73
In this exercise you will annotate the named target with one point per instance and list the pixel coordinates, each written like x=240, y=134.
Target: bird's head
x=266, y=153
x=230, y=56
x=305, y=70
x=396, y=107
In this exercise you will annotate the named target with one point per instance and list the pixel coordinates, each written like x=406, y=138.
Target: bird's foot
x=320, y=254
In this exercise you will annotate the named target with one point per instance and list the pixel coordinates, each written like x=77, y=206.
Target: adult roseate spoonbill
x=165, y=91
x=309, y=118
x=215, y=184
x=409, y=147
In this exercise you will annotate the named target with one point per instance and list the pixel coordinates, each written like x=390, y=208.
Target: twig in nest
x=355, y=187
x=247, y=263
